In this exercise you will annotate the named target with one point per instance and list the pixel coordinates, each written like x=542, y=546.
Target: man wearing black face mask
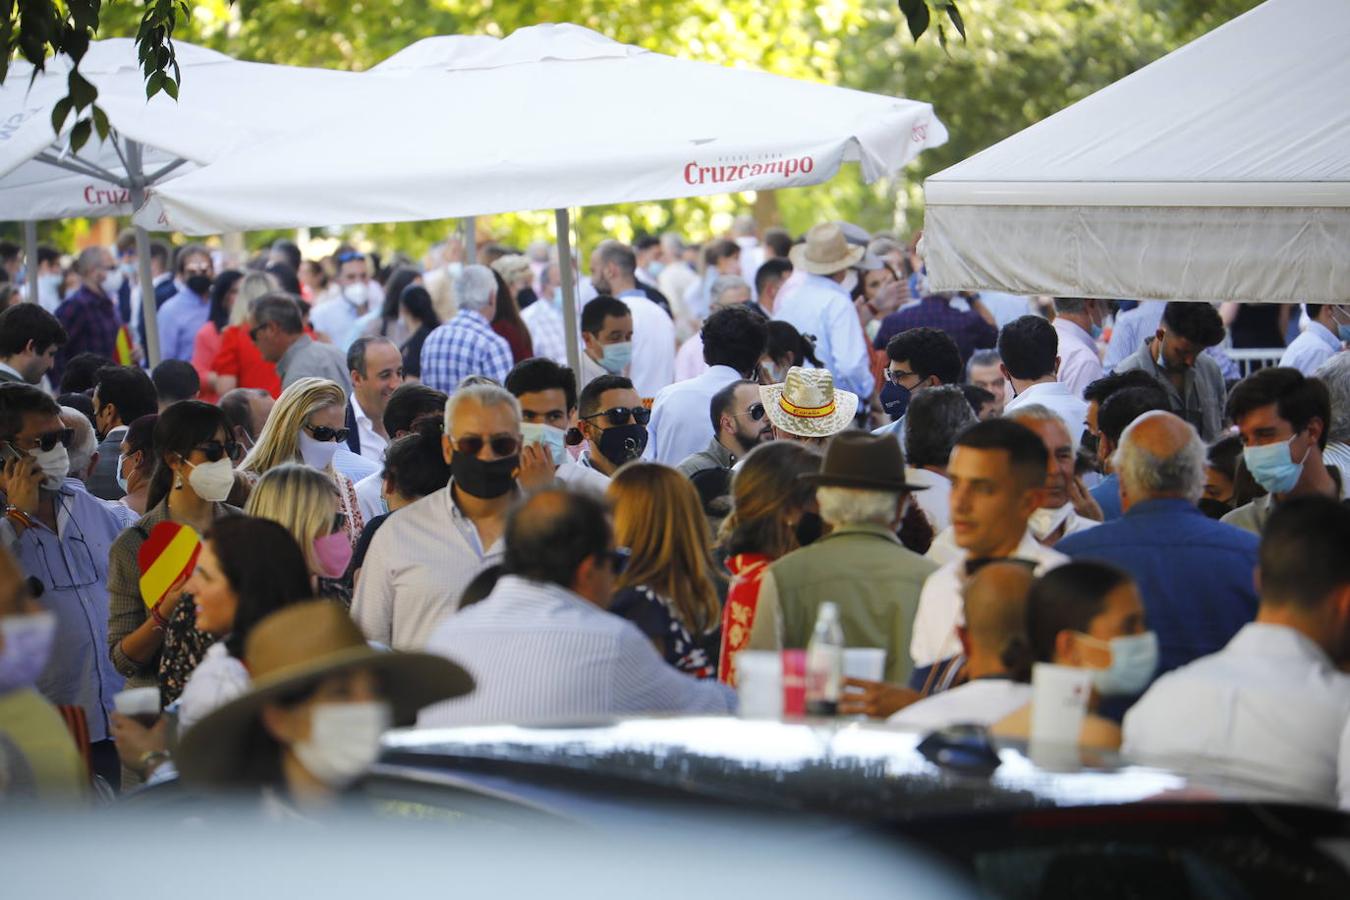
x=419, y=563
x=186, y=312
x=613, y=421
x=919, y=358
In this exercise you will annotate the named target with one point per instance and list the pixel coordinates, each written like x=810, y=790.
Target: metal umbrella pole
x=30, y=259
x=569, y=289
x=136, y=185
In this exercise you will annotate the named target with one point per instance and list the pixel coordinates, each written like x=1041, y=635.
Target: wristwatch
x=17, y=515
x=150, y=759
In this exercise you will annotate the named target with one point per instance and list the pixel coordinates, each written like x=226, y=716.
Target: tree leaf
x=916, y=16
x=154, y=84
x=171, y=88
x=957, y=22
x=79, y=135
x=82, y=93
x=101, y=123
x=60, y=113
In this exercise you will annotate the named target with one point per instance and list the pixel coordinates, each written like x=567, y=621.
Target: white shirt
x=1079, y=364
x=334, y=320
x=590, y=370
x=218, y=679
x=940, y=605
x=581, y=478
x=548, y=331
x=980, y=702
x=372, y=442
x=653, y=365
x=540, y=653
x=681, y=424
x=689, y=360
x=1056, y=397
x=417, y=566
x=936, y=501
x=6, y=367
x=1270, y=707
x=822, y=307
x=370, y=496
x=353, y=465
x=1310, y=349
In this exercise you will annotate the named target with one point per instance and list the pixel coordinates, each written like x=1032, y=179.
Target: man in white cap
x=822, y=307
x=806, y=407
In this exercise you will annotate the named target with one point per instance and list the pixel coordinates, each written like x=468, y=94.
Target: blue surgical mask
x=551, y=437
x=1343, y=332
x=557, y=298
x=1134, y=659
x=617, y=357
x=1273, y=466
x=1095, y=329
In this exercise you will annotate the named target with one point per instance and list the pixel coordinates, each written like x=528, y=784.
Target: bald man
x=995, y=604
x=1194, y=574
x=38, y=759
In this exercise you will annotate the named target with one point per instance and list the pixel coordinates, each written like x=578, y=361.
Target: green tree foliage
x=1020, y=61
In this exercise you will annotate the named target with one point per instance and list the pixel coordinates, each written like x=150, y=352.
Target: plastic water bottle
x=825, y=663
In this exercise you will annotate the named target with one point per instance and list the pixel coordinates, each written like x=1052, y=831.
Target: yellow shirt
x=38, y=757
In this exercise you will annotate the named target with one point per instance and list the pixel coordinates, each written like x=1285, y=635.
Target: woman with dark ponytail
x=193, y=475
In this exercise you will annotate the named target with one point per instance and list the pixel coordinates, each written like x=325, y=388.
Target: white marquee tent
x=1220, y=172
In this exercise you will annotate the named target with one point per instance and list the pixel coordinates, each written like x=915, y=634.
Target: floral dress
x=657, y=618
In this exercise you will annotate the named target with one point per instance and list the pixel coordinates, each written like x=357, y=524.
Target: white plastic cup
x=759, y=684
x=1059, y=696
x=141, y=704
x=865, y=663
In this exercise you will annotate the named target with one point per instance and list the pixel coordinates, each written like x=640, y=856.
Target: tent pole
x=569, y=289
x=30, y=261
x=468, y=235
x=136, y=177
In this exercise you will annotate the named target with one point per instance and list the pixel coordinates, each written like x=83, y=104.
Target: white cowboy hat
x=806, y=403
x=826, y=251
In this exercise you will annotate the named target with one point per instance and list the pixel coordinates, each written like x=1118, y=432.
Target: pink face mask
x=333, y=552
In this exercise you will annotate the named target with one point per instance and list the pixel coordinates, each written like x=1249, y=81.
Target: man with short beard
x=740, y=426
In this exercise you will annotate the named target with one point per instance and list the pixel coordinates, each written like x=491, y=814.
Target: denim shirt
x=72, y=565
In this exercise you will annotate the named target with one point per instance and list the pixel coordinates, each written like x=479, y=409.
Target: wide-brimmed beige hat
x=807, y=403
x=826, y=251
x=291, y=651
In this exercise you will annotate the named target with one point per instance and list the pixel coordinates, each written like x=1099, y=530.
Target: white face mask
x=25, y=648
x=1044, y=522
x=112, y=282
x=317, y=454
x=355, y=293
x=212, y=481
x=55, y=465
x=344, y=740
x=49, y=287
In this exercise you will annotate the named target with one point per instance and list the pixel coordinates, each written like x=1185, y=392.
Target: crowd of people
x=413, y=511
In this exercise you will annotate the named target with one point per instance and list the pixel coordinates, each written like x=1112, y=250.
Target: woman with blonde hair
x=773, y=513
x=305, y=502
x=667, y=590
x=238, y=362
x=307, y=425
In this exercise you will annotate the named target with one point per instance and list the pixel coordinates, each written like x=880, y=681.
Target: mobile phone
x=9, y=452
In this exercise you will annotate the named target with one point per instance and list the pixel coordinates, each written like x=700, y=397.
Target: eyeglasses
x=214, y=450
x=620, y=415
x=325, y=434
x=895, y=375
x=618, y=559
x=754, y=411
x=45, y=442
x=501, y=444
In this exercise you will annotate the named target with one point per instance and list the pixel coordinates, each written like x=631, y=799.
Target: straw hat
x=857, y=459
x=807, y=404
x=826, y=251
x=291, y=651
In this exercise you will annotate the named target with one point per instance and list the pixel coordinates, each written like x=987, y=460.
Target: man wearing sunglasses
x=420, y=562
x=614, y=423
x=277, y=327
x=741, y=425
x=62, y=537
x=543, y=646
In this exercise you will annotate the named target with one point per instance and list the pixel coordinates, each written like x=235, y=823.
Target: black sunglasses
x=49, y=440
x=619, y=415
x=324, y=434
x=754, y=411
x=502, y=445
x=214, y=450
x=618, y=559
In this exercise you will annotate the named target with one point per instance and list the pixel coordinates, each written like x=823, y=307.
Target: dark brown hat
x=857, y=459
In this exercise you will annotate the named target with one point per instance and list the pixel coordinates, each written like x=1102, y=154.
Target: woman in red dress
x=238, y=362
x=774, y=513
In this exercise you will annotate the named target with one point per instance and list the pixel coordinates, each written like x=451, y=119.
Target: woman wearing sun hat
x=321, y=698
x=807, y=407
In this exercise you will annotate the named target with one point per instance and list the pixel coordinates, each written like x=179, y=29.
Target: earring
x=178, y=482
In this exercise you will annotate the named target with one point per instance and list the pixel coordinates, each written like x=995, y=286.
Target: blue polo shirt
x=1195, y=574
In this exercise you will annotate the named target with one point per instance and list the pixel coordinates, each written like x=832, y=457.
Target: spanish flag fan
x=166, y=559
x=122, y=350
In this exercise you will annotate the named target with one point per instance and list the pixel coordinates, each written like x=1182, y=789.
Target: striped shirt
x=466, y=345
x=540, y=653
x=547, y=330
